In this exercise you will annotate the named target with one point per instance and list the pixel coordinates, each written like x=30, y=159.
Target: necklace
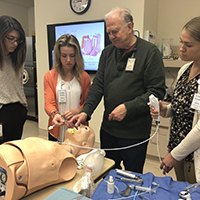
x=193, y=73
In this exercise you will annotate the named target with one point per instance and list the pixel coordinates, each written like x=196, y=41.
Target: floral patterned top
x=182, y=114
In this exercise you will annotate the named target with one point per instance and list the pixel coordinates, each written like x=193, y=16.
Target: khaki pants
x=185, y=172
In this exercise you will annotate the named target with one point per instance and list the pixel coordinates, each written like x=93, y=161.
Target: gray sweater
x=11, y=85
x=131, y=88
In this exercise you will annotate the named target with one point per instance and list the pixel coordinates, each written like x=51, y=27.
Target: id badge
x=130, y=64
x=62, y=96
x=196, y=102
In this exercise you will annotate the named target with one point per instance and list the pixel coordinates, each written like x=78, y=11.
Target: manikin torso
x=20, y=160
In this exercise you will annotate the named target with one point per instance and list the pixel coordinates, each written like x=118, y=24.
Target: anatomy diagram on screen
x=91, y=46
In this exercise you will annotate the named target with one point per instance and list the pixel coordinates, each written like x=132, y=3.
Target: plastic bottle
x=92, y=165
x=110, y=185
x=96, y=161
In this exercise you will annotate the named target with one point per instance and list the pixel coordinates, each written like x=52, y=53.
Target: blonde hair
x=70, y=41
x=193, y=28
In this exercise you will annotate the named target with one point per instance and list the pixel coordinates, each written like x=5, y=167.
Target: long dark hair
x=8, y=24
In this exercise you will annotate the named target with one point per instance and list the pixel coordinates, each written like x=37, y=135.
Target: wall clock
x=80, y=6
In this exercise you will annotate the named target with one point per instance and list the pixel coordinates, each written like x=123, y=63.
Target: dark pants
x=133, y=158
x=12, y=118
x=52, y=138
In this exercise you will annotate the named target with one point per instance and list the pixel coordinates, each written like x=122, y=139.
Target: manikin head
x=82, y=136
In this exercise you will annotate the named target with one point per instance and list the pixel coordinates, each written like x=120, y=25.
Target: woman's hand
x=57, y=119
x=168, y=163
x=68, y=114
x=154, y=113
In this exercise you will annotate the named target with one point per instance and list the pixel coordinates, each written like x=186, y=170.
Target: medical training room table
x=45, y=192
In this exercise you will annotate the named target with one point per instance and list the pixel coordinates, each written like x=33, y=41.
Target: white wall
x=58, y=12
x=31, y=21
x=172, y=16
x=151, y=15
x=22, y=14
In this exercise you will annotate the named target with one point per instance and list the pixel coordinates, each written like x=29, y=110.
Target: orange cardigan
x=50, y=84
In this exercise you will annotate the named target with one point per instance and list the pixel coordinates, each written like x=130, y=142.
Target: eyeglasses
x=12, y=40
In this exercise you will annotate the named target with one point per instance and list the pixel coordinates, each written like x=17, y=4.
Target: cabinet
x=174, y=63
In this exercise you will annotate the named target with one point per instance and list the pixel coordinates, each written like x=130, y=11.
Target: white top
x=73, y=96
x=11, y=85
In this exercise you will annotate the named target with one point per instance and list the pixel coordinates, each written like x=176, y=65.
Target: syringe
x=141, y=188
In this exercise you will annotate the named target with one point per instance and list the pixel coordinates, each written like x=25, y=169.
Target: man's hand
x=118, y=113
x=168, y=163
x=78, y=119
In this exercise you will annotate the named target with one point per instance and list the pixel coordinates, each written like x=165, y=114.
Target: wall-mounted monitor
x=92, y=38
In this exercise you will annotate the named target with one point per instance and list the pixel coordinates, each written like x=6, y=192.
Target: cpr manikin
x=34, y=163
x=82, y=136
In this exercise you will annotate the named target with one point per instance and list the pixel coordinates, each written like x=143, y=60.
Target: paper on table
x=62, y=193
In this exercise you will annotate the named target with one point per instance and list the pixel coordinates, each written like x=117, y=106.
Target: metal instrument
x=72, y=124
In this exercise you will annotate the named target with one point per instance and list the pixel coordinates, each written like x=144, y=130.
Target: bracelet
x=53, y=113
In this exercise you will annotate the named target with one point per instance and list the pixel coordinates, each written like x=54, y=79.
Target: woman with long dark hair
x=13, y=104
